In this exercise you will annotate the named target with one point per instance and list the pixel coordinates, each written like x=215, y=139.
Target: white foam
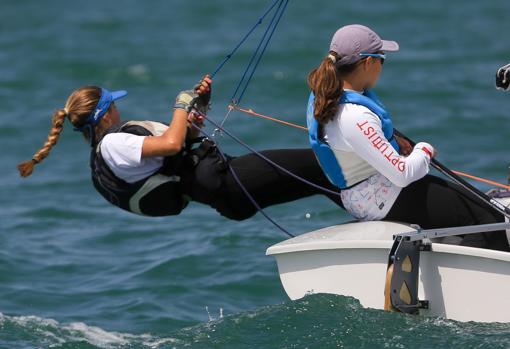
x=57, y=334
x=97, y=336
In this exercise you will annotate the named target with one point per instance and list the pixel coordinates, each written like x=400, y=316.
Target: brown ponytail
x=78, y=107
x=327, y=85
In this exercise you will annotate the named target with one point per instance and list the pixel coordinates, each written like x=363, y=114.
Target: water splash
x=316, y=321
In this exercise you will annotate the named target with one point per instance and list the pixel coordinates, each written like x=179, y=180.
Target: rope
x=270, y=29
x=227, y=57
x=271, y=162
x=258, y=56
x=255, y=53
x=480, y=179
x=253, y=113
x=243, y=188
x=278, y=15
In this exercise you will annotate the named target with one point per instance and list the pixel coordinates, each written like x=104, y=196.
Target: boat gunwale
x=383, y=244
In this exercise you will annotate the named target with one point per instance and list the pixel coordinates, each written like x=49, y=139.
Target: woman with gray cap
x=381, y=176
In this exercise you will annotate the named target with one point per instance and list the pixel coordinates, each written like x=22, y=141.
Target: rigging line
x=265, y=158
x=480, y=179
x=257, y=56
x=253, y=113
x=263, y=50
x=222, y=121
x=256, y=52
x=286, y=123
x=228, y=56
x=243, y=188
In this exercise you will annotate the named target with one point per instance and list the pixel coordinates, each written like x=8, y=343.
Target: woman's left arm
x=172, y=140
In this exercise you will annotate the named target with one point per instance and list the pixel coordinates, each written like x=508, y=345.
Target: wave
x=33, y=331
x=316, y=321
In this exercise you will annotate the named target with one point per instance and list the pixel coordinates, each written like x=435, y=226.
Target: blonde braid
x=78, y=107
x=27, y=167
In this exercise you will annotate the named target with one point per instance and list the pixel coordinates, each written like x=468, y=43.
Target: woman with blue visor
x=381, y=176
x=153, y=169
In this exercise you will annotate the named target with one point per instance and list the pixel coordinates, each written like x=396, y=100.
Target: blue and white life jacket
x=346, y=169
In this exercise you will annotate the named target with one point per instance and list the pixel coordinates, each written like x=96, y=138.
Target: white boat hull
x=461, y=283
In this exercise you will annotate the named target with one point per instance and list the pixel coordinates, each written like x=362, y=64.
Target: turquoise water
x=78, y=273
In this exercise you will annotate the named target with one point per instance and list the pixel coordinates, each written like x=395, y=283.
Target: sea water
x=76, y=272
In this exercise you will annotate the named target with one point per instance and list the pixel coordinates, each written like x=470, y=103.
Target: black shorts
x=433, y=202
x=212, y=183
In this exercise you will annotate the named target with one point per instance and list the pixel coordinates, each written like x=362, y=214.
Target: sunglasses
x=381, y=56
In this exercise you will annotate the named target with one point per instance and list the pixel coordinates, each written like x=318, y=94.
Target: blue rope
x=265, y=158
x=243, y=188
x=263, y=50
x=256, y=52
x=227, y=57
x=258, y=56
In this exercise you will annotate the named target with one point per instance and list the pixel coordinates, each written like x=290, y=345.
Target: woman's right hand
x=204, y=86
x=203, y=89
x=427, y=148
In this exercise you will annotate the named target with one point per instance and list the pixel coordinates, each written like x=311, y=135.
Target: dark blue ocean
x=76, y=272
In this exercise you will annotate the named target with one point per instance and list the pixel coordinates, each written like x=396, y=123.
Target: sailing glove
x=190, y=99
x=503, y=78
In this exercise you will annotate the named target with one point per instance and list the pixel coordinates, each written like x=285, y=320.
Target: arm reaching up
x=172, y=141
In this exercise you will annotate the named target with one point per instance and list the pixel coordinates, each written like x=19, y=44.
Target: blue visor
x=102, y=106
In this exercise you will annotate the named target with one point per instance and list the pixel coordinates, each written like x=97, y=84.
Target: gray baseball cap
x=351, y=40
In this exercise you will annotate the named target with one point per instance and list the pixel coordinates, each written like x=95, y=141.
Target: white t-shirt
x=123, y=155
x=357, y=129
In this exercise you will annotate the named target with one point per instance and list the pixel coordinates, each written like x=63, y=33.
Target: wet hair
x=326, y=83
x=80, y=104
